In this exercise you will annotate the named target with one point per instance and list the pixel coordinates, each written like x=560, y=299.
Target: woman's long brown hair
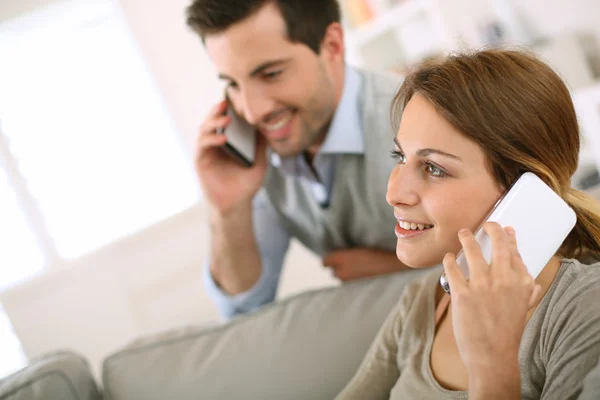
x=521, y=114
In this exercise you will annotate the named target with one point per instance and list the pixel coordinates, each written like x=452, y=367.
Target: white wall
x=177, y=59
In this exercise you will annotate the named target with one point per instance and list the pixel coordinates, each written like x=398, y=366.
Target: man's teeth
x=279, y=124
x=411, y=226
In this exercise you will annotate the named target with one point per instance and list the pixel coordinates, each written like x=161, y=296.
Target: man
x=326, y=127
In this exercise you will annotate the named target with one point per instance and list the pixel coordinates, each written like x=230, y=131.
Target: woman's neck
x=545, y=279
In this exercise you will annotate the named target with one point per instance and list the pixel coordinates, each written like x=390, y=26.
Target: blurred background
x=102, y=225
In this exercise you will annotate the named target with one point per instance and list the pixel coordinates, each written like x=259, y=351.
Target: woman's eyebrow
x=397, y=143
x=426, y=152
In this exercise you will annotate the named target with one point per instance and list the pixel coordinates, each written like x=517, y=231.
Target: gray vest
x=358, y=214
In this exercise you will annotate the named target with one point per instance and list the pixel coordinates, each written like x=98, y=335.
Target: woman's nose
x=402, y=188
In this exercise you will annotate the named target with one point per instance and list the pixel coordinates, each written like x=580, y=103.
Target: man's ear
x=332, y=45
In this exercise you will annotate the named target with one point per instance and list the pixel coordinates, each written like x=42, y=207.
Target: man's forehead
x=264, y=28
x=242, y=55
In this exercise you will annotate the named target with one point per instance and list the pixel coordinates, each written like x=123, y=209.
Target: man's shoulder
x=377, y=94
x=383, y=83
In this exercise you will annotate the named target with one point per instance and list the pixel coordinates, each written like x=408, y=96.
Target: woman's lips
x=408, y=233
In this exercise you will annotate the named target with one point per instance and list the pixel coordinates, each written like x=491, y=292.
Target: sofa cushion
x=305, y=347
x=61, y=375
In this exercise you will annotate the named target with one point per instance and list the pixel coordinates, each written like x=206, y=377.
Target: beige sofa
x=306, y=347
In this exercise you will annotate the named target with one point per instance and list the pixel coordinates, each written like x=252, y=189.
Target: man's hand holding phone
x=226, y=183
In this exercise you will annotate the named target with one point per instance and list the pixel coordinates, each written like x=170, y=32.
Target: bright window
x=88, y=128
x=87, y=150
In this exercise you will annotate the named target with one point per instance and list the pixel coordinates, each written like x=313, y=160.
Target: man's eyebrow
x=426, y=152
x=260, y=68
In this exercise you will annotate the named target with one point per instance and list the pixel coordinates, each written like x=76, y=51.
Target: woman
x=471, y=125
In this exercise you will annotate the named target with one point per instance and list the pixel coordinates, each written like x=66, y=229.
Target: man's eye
x=435, y=171
x=396, y=155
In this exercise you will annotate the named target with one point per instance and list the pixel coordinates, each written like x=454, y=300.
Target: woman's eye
x=396, y=155
x=435, y=171
x=272, y=75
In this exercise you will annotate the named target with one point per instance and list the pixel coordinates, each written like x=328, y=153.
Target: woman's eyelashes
x=435, y=171
x=429, y=167
x=396, y=155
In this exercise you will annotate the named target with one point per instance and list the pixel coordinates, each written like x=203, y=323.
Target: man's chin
x=284, y=149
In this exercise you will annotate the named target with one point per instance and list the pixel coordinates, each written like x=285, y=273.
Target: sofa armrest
x=61, y=375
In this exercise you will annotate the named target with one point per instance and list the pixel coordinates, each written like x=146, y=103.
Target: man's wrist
x=235, y=265
x=229, y=221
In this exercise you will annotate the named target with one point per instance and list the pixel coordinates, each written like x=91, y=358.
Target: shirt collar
x=345, y=133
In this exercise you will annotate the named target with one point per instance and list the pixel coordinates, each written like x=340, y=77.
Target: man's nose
x=403, y=188
x=256, y=106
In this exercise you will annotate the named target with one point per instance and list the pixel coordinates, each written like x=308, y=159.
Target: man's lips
x=278, y=129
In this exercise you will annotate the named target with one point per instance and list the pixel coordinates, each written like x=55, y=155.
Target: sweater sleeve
x=574, y=340
x=591, y=385
x=379, y=372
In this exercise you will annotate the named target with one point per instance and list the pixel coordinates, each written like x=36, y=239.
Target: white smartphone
x=241, y=138
x=540, y=217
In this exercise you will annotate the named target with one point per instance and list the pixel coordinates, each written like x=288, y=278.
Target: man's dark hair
x=306, y=20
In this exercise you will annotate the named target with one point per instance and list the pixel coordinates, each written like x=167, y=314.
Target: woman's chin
x=412, y=260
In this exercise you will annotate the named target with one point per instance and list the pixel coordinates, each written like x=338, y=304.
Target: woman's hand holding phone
x=489, y=311
x=225, y=183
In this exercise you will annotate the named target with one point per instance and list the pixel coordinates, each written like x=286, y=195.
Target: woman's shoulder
x=578, y=276
x=575, y=292
x=564, y=333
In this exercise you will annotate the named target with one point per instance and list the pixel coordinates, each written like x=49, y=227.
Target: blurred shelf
x=387, y=20
x=587, y=106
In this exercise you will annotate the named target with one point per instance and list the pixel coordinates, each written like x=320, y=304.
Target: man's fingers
x=217, y=110
x=332, y=259
x=207, y=142
x=211, y=125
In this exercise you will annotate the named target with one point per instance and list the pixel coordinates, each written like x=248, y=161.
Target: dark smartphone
x=241, y=138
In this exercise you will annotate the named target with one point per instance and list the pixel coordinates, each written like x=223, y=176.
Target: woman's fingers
x=456, y=278
x=516, y=262
x=501, y=251
x=478, y=267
